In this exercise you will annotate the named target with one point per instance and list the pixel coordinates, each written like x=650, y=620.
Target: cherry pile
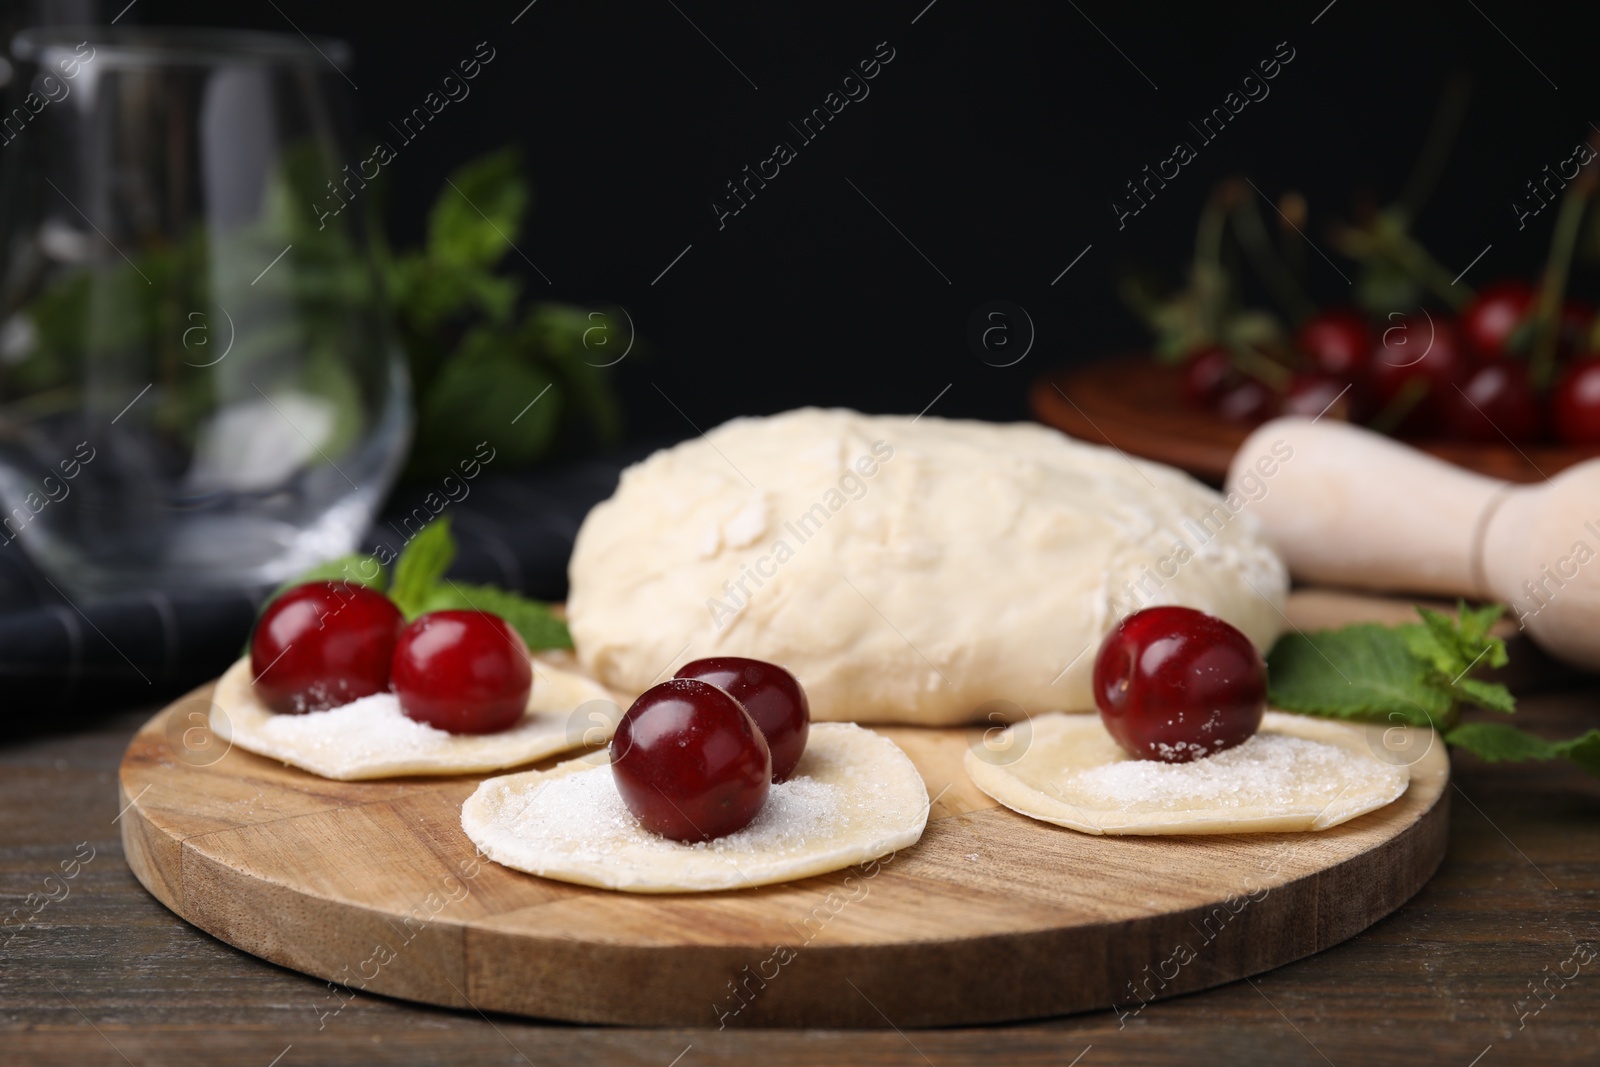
x=1422, y=375
x=694, y=757
x=1175, y=684
x=324, y=644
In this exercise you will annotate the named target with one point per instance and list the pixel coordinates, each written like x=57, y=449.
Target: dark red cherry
x=1248, y=401
x=1174, y=684
x=690, y=762
x=1418, y=358
x=770, y=694
x=1493, y=315
x=1576, y=403
x=1205, y=374
x=323, y=644
x=1337, y=340
x=463, y=671
x=1494, y=403
x=1577, y=322
x=1333, y=396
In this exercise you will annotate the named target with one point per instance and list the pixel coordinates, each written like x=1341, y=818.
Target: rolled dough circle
x=1297, y=773
x=373, y=738
x=853, y=798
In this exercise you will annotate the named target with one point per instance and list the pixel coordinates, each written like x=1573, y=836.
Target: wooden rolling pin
x=1346, y=506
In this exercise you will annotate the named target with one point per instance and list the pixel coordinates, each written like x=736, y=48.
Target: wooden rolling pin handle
x=1346, y=506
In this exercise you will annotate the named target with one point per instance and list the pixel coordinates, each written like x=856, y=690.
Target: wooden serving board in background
x=1137, y=404
x=990, y=917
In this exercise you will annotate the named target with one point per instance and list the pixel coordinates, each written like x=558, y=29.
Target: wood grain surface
x=372, y=885
x=1006, y=917
x=1136, y=404
x=106, y=976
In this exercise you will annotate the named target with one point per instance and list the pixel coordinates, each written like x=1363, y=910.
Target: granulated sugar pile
x=1268, y=770
x=370, y=727
x=374, y=738
x=854, y=797
x=581, y=816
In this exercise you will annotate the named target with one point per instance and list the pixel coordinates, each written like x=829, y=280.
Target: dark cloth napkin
x=72, y=656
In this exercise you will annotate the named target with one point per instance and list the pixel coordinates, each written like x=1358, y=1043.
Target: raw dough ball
x=906, y=570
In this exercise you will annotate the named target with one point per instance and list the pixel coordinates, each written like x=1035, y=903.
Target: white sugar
x=373, y=726
x=581, y=816
x=1268, y=770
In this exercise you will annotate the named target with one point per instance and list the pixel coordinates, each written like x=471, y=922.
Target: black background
x=995, y=140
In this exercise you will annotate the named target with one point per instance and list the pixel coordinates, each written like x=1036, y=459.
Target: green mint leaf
x=1426, y=642
x=1480, y=649
x=1585, y=752
x=530, y=618
x=1465, y=639
x=421, y=564
x=357, y=568
x=1497, y=742
x=1491, y=695
x=1475, y=625
x=1358, y=672
x=490, y=380
x=479, y=212
x=580, y=346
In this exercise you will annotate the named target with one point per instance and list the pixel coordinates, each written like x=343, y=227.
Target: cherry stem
x=1452, y=108
x=1385, y=237
x=1263, y=368
x=1418, y=262
x=1208, y=257
x=1411, y=393
x=1269, y=266
x=1553, y=284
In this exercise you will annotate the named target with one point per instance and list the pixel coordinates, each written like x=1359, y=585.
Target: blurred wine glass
x=199, y=385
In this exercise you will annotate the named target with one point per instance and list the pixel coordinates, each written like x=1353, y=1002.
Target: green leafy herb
x=480, y=355
x=469, y=225
x=475, y=359
x=420, y=586
x=421, y=565
x=356, y=568
x=1498, y=742
x=1359, y=672
x=1418, y=674
x=1456, y=645
x=530, y=618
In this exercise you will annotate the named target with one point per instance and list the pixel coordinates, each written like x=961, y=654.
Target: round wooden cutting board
x=990, y=917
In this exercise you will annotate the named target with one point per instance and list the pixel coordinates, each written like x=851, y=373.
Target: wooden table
x=105, y=975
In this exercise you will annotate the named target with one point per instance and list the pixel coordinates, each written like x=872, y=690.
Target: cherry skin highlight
x=690, y=762
x=1316, y=394
x=1206, y=373
x=323, y=644
x=770, y=694
x=1175, y=684
x=1337, y=340
x=1496, y=402
x=1576, y=403
x=1423, y=358
x=1249, y=401
x=463, y=671
x=1493, y=315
